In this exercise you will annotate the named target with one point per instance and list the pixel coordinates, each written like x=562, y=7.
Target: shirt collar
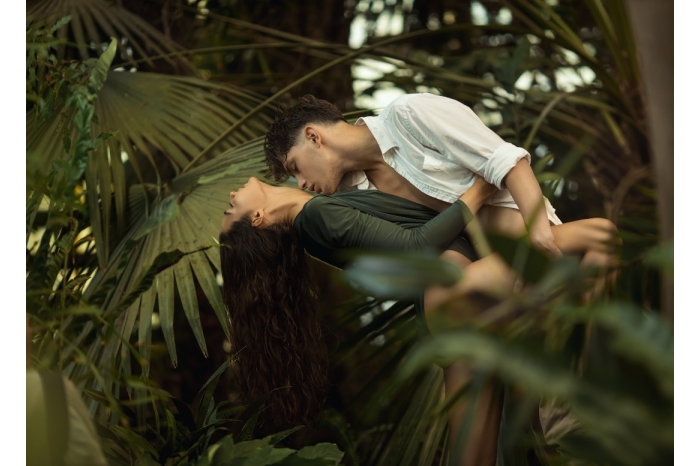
x=355, y=180
x=379, y=131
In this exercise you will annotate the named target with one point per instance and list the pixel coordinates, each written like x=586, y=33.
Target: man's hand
x=542, y=239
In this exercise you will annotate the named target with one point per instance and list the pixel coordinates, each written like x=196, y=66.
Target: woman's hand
x=482, y=186
x=477, y=194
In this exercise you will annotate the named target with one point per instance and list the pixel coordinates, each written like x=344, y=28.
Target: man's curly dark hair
x=284, y=131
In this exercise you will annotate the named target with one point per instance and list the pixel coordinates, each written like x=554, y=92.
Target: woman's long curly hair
x=276, y=334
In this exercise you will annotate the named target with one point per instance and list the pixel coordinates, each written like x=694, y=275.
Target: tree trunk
x=653, y=24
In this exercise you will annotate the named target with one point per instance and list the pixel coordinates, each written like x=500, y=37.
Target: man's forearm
x=526, y=192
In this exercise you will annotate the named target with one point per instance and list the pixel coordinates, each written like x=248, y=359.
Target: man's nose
x=301, y=182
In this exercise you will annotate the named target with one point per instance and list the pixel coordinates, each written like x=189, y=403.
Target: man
x=429, y=149
x=423, y=147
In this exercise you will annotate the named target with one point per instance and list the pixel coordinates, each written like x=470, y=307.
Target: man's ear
x=311, y=134
x=258, y=218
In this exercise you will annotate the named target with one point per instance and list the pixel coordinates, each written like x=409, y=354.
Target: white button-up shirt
x=438, y=144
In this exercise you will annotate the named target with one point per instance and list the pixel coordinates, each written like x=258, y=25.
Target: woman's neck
x=287, y=203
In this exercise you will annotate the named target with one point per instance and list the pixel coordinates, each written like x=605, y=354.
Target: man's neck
x=359, y=149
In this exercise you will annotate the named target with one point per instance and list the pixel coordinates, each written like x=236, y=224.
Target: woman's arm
x=337, y=225
x=477, y=194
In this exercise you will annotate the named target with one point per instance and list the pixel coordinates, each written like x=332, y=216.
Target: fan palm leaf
x=95, y=21
x=155, y=117
x=186, y=218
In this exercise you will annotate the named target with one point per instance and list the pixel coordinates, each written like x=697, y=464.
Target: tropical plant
x=74, y=304
x=622, y=394
x=162, y=122
x=183, y=436
x=121, y=227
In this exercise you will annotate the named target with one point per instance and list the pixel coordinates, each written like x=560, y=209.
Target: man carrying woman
x=422, y=154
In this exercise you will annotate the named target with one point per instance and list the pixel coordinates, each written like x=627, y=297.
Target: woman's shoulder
x=322, y=206
x=320, y=201
x=370, y=201
x=379, y=199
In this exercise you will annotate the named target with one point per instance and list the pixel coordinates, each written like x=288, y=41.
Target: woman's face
x=245, y=202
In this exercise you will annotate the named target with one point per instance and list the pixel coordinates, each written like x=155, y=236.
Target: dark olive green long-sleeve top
x=373, y=220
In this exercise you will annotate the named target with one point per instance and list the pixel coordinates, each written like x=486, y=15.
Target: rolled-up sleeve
x=453, y=131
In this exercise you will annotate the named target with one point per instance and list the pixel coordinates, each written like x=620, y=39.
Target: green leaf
x=279, y=436
x=526, y=261
x=188, y=297
x=548, y=176
x=517, y=363
x=220, y=453
x=643, y=337
x=102, y=137
x=60, y=23
x=539, y=166
x=661, y=257
x=146, y=460
x=243, y=448
x=509, y=70
x=166, y=310
x=248, y=428
x=231, y=170
x=135, y=441
x=144, y=282
x=213, y=380
x=338, y=424
x=294, y=460
x=412, y=431
x=66, y=141
x=98, y=75
x=261, y=456
x=205, y=396
x=390, y=275
x=325, y=451
x=166, y=211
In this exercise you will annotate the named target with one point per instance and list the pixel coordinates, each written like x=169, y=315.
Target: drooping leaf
x=98, y=75
x=400, y=275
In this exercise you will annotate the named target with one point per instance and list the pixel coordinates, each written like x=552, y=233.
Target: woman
x=267, y=289
x=276, y=333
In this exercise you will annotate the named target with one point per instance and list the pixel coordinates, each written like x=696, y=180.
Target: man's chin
x=329, y=189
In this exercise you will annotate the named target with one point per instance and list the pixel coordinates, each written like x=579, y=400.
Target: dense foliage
x=141, y=116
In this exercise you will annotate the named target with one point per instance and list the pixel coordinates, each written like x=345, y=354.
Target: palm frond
x=418, y=433
x=155, y=116
x=200, y=196
x=95, y=21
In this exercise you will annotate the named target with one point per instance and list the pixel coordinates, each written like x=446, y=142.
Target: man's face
x=314, y=166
